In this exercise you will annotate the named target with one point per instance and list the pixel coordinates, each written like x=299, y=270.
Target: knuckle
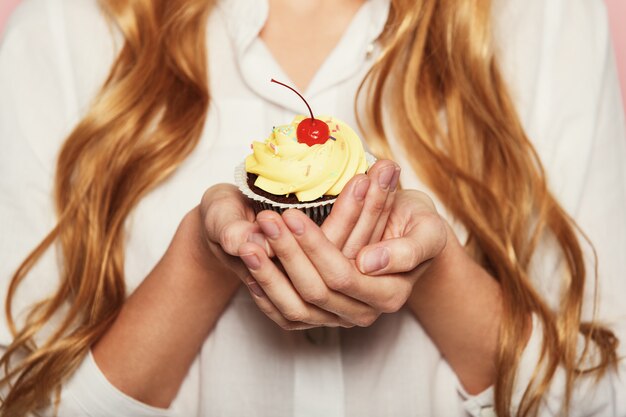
x=229, y=238
x=284, y=258
x=284, y=254
x=312, y=244
x=351, y=249
x=295, y=315
x=394, y=302
x=387, y=209
x=377, y=206
x=318, y=296
x=366, y=319
x=340, y=282
x=268, y=311
x=285, y=325
x=213, y=196
x=264, y=280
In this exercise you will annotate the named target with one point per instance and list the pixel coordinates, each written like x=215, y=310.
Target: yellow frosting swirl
x=285, y=166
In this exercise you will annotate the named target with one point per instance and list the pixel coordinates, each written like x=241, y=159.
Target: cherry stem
x=299, y=95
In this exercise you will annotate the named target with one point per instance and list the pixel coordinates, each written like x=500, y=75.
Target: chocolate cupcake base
x=261, y=200
x=317, y=214
x=317, y=210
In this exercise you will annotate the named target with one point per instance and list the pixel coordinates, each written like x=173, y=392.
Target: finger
x=279, y=289
x=227, y=218
x=226, y=201
x=233, y=234
x=269, y=309
x=230, y=230
x=301, y=272
x=424, y=240
x=384, y=293
x=233, y=263
x=381, y=175
x=346, y=210
x=259, y=239
x=258, y=295
x=381, y=224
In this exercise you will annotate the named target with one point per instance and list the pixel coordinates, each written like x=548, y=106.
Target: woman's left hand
x=316, y=270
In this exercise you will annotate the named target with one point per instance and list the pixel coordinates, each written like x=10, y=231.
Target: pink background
x=617, y=17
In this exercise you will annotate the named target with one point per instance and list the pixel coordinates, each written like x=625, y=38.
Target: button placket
x=318, y=373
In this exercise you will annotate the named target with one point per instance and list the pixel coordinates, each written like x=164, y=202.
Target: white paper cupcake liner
x=316, y=210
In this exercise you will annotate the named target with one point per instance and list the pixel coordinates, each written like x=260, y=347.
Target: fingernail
x=251, y=261
x=294, y=224
x=385, y=177
x=360, y=188
x=394, y=181
x=256, y=289
x=270, y=228
x=375, y=259
x=259, y=239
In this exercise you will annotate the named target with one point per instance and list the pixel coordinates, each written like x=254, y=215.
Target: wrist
x=453, y=272
x=458, y=303
x=196, y=260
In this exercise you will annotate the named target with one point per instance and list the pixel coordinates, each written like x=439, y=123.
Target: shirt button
x=487, y=412
x=316, y=336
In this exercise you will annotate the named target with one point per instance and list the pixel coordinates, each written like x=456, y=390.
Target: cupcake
x=297, y=167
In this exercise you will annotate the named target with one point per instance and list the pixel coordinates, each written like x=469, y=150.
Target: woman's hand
x=372, y=255
x=357, y=219
x=360, y=213
x=315, y=278
x=414, y=235
x=457, y=302
x=228, y=221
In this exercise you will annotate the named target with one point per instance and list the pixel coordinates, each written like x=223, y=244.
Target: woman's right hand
x=228, y=221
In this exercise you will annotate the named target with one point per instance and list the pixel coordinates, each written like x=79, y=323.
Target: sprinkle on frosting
x=285, y=166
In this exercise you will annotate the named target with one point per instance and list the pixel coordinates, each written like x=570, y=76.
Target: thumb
x=422, y=243
x=233, y=234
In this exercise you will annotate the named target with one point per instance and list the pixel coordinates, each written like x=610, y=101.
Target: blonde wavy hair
x=437, y=57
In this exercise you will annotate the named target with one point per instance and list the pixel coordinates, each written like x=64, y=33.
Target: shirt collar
x=245, y=18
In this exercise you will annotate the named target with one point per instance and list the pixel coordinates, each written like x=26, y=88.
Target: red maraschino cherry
x=310, y=131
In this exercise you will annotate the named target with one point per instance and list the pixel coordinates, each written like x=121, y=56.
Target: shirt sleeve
x=89, y=393
x=38, y=110
x=590, y=397
x=577, y=112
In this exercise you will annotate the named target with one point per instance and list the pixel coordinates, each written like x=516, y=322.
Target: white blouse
x=556, y=54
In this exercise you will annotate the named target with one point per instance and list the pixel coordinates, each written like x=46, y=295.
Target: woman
x=498, y=307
